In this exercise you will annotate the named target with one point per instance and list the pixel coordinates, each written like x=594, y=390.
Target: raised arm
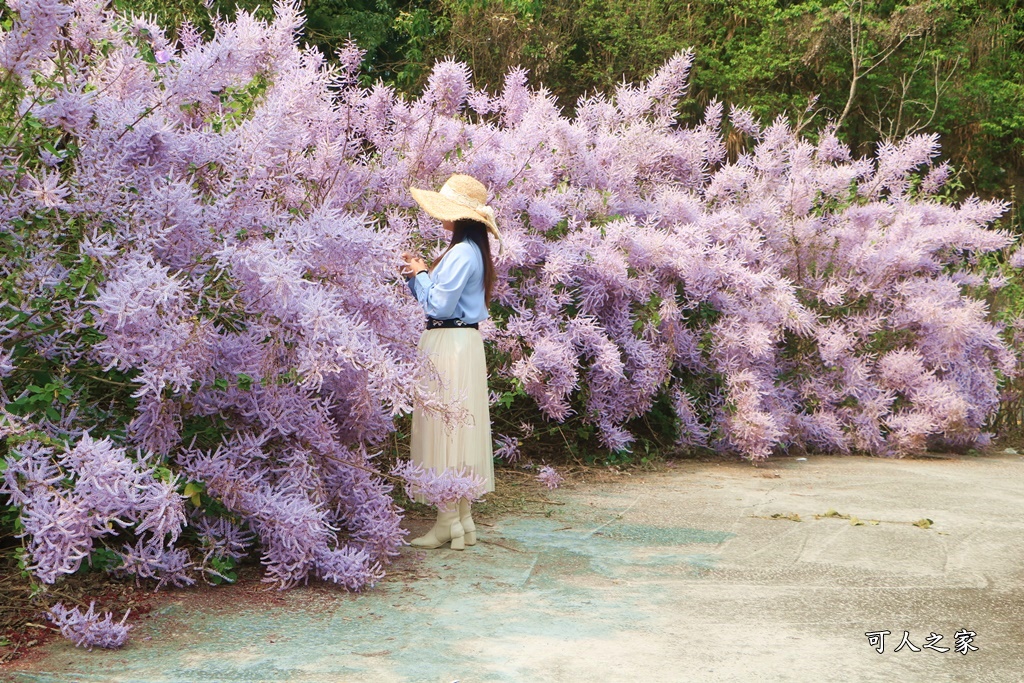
x=439, y=292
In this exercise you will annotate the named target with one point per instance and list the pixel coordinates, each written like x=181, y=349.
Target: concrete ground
x=698, y=573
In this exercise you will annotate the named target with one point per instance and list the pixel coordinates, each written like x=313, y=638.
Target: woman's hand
x=412, y=266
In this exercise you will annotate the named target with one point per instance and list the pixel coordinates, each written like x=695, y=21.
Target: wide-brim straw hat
x=460, y=197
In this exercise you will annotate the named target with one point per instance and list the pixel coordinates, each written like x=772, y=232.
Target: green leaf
x=194, y=491
x=104, y=559
x=225, y=566
x=163, y=474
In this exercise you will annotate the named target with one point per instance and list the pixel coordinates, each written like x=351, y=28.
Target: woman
x=454, y=293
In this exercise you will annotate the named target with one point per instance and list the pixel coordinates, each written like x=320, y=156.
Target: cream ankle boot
x=446, y=528
x=467, y=521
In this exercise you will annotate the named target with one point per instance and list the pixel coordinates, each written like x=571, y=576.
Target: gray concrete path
x=682, y=575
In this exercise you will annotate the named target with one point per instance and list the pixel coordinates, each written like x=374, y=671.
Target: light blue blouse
x=456, y=287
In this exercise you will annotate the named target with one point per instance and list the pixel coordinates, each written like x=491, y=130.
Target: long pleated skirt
x=458, y=357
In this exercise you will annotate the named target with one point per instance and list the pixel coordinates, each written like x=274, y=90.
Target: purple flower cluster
x=441, y=489
x=550, y=477
x=32, y=37
x=508, y=448
x=89, y=629
x=296, y=508
x=92, y=491
x=222, y=538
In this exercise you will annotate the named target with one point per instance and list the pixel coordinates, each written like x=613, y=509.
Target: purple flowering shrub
x=182, y=233
x=198, y=242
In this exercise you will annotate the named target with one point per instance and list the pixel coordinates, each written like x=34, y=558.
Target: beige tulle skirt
x=458, y=357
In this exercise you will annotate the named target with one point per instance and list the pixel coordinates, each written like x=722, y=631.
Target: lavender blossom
x=89, y=629
x=46, y=192
x=508, y=448
x=31, y=38
x=108, y=492
x=223, y=538
x=441, y=489
x=550, y=477
x=743, y=120
x=6, y=364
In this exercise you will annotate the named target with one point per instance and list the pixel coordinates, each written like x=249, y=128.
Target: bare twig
x=855, y=13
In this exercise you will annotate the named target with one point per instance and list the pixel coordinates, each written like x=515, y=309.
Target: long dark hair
x=476, y=232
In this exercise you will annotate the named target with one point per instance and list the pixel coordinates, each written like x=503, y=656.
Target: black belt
x=455, y=323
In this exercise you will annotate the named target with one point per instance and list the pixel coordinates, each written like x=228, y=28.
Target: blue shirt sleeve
x=439, y=292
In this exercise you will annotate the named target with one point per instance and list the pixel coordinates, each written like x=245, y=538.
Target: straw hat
x=460, y=197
